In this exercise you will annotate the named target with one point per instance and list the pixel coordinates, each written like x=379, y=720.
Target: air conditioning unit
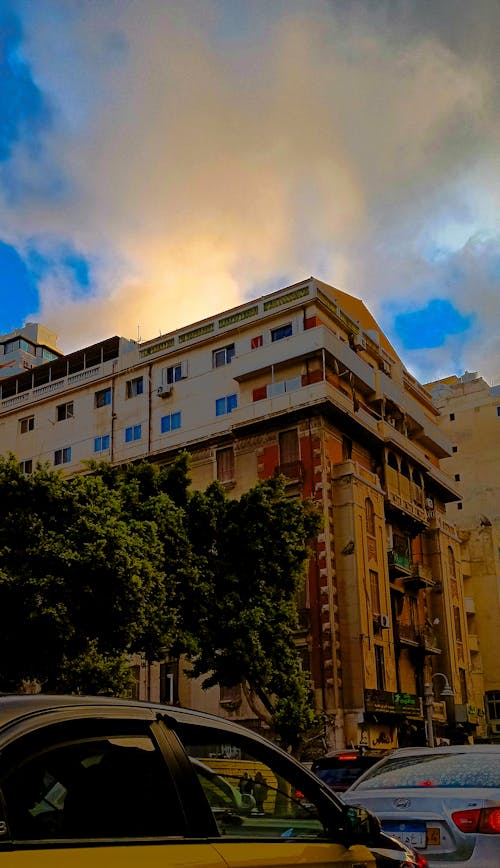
x=384, y=621
x=164, y=391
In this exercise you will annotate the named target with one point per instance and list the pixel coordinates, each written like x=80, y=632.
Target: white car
x=444, y=802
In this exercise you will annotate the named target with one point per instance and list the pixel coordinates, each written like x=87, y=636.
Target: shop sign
x=408, y=704
x=379, y=701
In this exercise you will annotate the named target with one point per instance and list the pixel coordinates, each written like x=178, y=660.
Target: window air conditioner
x=164, y=391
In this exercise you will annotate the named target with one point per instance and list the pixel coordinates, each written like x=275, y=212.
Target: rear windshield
x=341, y=777
x=436, y=770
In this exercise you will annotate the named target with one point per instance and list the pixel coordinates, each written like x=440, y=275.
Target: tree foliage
x=126, y=559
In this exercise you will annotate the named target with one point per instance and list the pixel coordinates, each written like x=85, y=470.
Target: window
x=452, y=417
x=289, y=446
x=171, y=422
x=460, y=506
x=101, y=444
x=375, y=592
x=103, y=397
x=493, y=704
x=282, y=386
x=370, y=517
x=257, y=342
x=223, y=356
x=105, y=780
x=26, y=424
x=498, y=411
x=225, y=464
x=134, y=432
x=454, y=448
x=26, y=467
x=226, y=405
x=379, y=666
x=174, y=373
x=62, y=456
x=269, y=795
x=134, y=387
x=346, y=448
x=457, y=477
x=65, y=411
x=281, y=332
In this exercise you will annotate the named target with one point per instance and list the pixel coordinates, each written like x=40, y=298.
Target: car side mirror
x=361, y=826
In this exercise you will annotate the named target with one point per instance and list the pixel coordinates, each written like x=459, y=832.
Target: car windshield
x=434, y=770
x=341, y=777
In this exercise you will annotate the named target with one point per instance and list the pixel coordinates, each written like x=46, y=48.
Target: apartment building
x=470, y=417
x=304, y=383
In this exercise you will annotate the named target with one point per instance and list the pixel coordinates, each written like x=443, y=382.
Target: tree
x=78, y=571
x=128, y=559
x=243, y=615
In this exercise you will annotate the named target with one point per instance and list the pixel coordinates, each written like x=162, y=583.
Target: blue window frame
x=62, y=456
x=101, y=444
x=134, y=432
x=170, y=423
x=226, y=405
x=281, y=332
x=103, y=397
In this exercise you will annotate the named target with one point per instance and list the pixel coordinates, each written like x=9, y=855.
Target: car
x=94, y=781
x=342, y=767
x=443, y=801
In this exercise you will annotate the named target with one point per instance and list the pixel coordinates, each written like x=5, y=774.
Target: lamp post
x=429, y=699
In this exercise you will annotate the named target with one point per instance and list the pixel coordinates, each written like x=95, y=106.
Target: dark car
x=98, y=781
x=340, y=769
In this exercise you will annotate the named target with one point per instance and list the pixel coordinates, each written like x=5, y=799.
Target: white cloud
x=212, y=146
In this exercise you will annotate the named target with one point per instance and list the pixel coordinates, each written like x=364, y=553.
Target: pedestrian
x=246, y=783
x=260, y=792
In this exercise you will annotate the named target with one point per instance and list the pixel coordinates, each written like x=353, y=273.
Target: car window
x=86, y=788
x=251, y=791
x=341, y=777
x=434, y=770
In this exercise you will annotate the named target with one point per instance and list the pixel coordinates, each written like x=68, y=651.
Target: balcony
x=420, y=577
x=399, y=563
x=408, y=633
x=293, y=471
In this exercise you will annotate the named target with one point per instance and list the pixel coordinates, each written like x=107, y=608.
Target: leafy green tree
x=243, y=615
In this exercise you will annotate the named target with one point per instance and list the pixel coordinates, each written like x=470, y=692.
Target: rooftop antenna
x=139, y=339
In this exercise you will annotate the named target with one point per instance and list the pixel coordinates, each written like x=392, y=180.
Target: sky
x=164, y=160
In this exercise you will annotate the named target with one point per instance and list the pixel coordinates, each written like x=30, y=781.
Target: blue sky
x=161, y=162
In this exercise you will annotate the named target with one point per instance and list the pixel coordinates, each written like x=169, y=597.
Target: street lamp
x=429, y=699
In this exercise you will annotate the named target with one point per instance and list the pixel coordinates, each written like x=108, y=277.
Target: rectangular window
x=103, y=397
x=223, y=356
x=226, y=405
x=26, y=467
x=65, y=411
x=457, y=477
x=101, y=444
x=454, y=448
x=62, y=456
x=498, y=411
x=173, y=373
x=289, y=447
x=281, y=332
x=26, y=424
x=171, y=422
x=257, y=342
x=452, y=417
x=375, y=592
x=225, y=464
x=134, y=432
x=135, y=387
x=379, y=666
x=282, y=386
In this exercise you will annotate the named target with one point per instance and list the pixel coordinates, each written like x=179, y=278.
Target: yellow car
x=90, y=782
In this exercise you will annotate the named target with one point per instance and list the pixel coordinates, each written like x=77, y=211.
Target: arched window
x=370, y=517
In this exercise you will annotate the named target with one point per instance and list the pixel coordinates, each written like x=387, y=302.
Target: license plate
x=408, y=833
x=433, y=836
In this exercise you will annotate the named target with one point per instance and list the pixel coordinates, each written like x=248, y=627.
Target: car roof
x=445, y=749
x=16, y=707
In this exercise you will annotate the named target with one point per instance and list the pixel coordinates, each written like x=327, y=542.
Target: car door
x=287, y=821
x=93, y=792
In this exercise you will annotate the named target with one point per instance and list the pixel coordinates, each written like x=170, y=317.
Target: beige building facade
x=300, y=382
x=470, y=416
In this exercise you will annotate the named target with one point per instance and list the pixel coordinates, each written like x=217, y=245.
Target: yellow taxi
x=90, y=782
